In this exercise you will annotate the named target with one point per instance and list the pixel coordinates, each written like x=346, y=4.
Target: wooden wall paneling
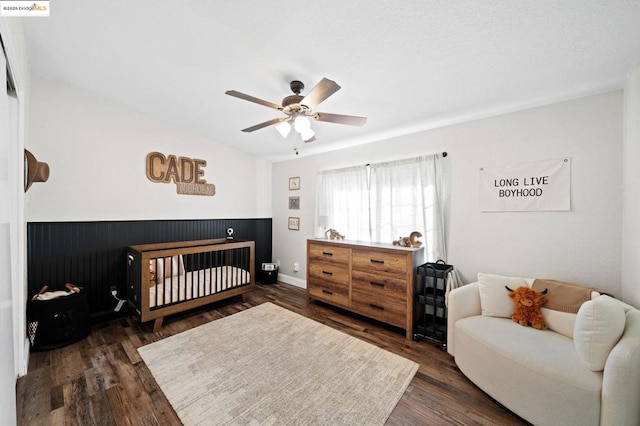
x=93, y=254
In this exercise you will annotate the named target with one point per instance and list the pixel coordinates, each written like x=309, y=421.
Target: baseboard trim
x=288, y=279
x=24, y=368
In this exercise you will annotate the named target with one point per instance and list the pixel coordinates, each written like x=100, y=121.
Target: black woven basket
x=58, y=322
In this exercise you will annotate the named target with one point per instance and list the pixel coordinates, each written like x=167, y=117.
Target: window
x=343, y=199
x=385, y=201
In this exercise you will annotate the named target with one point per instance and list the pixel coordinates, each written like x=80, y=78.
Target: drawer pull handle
x=377, y=284
x=327, y=273
x=327, y=253
x=376, y=306
x=377, y=261
x=327, y=292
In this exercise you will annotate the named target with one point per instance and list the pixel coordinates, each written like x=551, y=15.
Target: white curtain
x=406, y=196
x=343, y=202
x=397, y=198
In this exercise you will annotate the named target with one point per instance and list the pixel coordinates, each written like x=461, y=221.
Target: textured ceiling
x=406, y=65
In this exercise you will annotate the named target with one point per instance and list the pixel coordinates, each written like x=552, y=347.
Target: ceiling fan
x=298, y=109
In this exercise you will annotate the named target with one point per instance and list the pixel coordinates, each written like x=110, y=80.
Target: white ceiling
x=406, y=65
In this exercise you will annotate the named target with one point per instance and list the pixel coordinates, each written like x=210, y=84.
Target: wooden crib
x=167, y=278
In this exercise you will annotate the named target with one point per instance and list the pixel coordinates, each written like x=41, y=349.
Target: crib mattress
x=195, y=284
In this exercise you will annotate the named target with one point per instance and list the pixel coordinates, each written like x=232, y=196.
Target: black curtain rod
x=444, y=154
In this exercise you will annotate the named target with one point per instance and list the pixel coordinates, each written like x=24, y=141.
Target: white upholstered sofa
x=583, y=370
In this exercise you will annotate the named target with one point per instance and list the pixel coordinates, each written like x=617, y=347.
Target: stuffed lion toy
x=527, y=310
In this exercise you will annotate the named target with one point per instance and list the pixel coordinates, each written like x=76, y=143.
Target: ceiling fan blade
x=320, y=92
x=351, y=120
x=250, y=98
x=264, y=124
x=313, y=139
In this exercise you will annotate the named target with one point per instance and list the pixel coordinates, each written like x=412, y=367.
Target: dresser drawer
x=375, y=261
x=391, y=311
x=382, y=286
x=325, y=271
x=328, y=253
x=337, y=294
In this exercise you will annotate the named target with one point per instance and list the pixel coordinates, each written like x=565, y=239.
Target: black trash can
x=269, y=273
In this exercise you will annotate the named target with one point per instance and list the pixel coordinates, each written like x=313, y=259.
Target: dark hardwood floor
x=102, y=380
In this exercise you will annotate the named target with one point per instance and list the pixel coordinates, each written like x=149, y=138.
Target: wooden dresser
x=372, y=279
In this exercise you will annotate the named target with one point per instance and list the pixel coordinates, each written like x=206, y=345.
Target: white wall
x=581, y=246
x=8, y=246
x=96, y=150
x=14, y=352
x=631, y=185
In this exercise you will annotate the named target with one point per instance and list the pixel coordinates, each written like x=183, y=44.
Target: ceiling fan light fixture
x=302, y=124
x=284, y=128
x=307, y=134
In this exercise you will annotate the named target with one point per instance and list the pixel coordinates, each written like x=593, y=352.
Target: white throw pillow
x=599, y=325
x=494, y=297
x=562, y=322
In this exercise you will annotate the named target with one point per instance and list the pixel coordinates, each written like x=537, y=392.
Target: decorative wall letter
x=185, y=172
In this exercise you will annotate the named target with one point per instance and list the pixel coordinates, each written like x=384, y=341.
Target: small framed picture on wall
x=294, y=183
x=294, y=203
x=294, y=223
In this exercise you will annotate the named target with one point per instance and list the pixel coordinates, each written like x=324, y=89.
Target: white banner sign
x=536, y=186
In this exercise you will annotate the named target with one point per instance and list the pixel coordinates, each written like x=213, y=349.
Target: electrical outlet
x=113, y=288
x=296, y=267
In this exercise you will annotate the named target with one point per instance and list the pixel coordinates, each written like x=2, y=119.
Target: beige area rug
x=270, y=366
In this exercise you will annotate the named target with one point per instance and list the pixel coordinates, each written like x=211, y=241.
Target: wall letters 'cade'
x=185, y=172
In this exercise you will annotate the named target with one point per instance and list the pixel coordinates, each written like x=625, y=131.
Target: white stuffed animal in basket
x=43, y=294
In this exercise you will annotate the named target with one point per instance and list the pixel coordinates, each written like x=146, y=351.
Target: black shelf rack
x=432, y=311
